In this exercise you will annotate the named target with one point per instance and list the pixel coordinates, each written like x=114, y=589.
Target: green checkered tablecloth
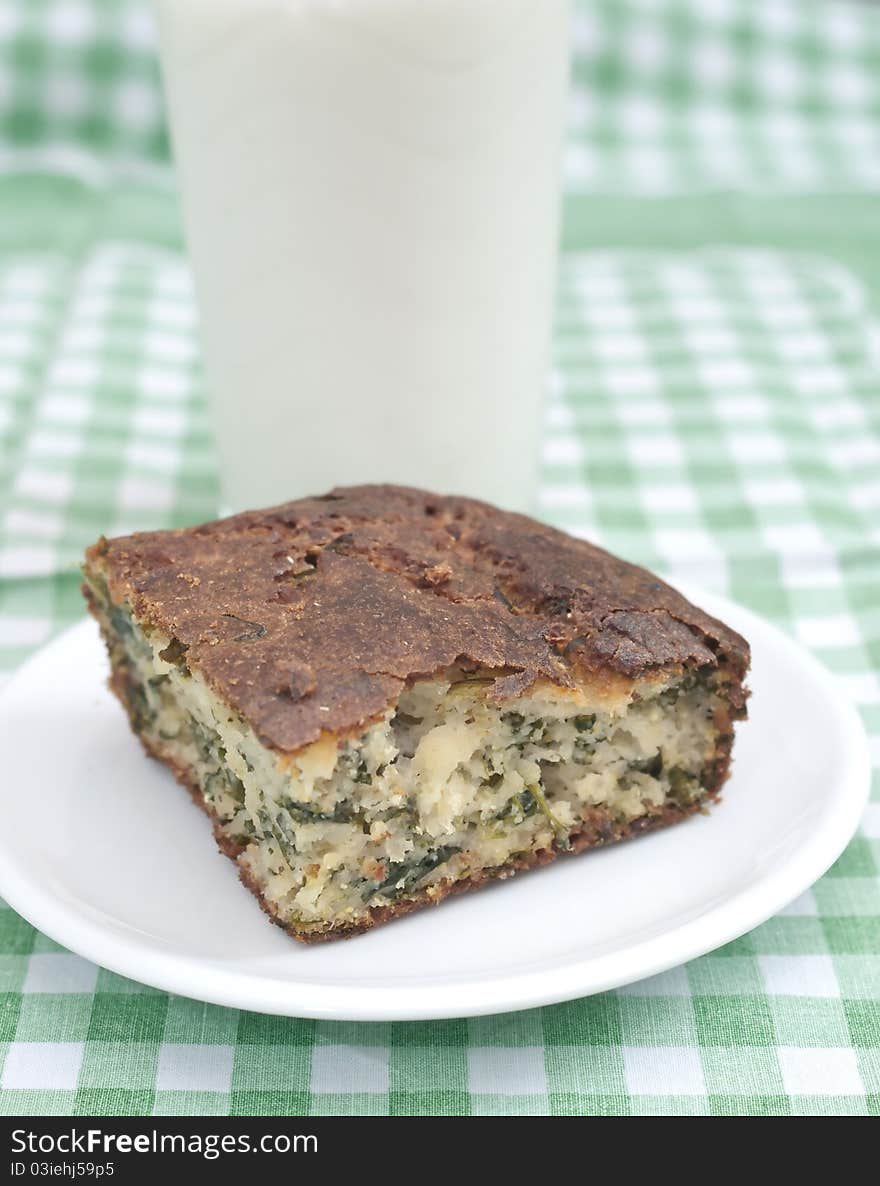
x=714, y=412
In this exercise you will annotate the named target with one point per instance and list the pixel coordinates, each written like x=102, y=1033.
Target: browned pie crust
x=310, y=617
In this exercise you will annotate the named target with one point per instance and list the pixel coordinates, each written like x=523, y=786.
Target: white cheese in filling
x=445, y=785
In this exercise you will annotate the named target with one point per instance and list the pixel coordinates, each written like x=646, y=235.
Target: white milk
x=370, y=195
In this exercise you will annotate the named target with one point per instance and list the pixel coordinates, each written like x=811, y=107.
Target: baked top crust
x=309, y=618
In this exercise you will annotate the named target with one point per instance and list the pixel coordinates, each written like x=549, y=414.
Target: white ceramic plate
x=102, y=851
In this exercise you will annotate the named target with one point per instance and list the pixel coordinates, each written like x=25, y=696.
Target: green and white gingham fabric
x=79, y=80
x=678, y=95
x=714, y=412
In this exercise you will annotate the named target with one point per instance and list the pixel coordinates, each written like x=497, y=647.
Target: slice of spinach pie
x=381, y=696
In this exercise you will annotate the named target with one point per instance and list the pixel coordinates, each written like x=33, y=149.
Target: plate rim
x=734, y=916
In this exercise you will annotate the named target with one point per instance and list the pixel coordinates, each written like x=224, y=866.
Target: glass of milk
x=371, y=195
